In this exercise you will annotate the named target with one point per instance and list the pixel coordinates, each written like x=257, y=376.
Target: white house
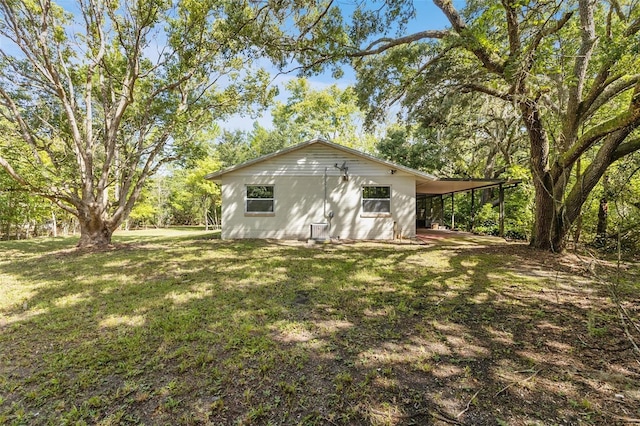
x=318, y=189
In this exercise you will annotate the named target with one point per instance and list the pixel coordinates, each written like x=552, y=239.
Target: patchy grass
x=183, y=328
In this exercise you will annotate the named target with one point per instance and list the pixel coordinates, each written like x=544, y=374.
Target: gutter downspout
x=325, y=193
x=329, y=215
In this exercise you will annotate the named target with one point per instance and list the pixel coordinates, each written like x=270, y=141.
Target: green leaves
x=413, y=148
x=331, y=113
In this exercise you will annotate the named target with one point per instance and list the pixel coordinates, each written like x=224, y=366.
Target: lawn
x=180, y=327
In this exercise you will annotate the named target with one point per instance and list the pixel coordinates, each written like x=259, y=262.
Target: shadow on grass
x=194, y=330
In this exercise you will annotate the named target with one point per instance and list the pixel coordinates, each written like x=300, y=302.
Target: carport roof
x=452, y=186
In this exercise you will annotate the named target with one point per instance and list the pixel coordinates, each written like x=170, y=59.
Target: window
x=376, y=199
x=259, y=199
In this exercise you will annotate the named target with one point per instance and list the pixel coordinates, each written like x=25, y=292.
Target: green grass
x=179, y=327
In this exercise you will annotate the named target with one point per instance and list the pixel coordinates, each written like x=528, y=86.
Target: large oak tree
x=569, y=67
x=102, y=93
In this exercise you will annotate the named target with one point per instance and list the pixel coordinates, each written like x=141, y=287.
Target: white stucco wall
x=298, y=179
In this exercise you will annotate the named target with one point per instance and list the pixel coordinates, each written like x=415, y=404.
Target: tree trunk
x=603, y=212
x=545, y=235
x=486, y=195
x=545, y=227
x=578, y=229
x=54, y=224
x=206, y=215
x=95, y=231
x=601, y=230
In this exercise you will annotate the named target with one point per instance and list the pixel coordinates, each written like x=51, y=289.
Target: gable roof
x=425, y=183
x=215, y=176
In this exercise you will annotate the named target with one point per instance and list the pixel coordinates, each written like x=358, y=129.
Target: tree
x=149, y=206
x=234, y=147
x=412, y=147
x=104, y=93
x=21, y=214
x=613, y=211
x=568, y=67
x=465, y=135
x=205, y=194
x=331, y=113
x=564, y=100
x=265, y=141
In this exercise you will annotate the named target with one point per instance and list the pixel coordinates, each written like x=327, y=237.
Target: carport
x=431, y=196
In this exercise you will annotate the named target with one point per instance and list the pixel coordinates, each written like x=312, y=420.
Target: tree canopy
x=331, y=113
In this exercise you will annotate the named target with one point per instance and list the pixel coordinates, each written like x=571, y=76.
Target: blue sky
x=428, y=17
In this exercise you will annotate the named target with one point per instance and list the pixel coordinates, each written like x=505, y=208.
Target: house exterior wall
x=298, y=180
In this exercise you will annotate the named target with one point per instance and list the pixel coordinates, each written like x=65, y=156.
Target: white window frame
x=260, y=212
x=375, y=213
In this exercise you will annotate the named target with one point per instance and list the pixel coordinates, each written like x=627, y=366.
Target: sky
x=428, y=17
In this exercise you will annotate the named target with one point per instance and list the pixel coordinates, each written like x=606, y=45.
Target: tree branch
x=513, y=28
x=587, y=45
x=616, y=7
x=609, y=90
x=488, y=91
x=533, y=47
x=321, y=15
x=490, y=61
x=5, y=165
x=626, y=148
x=403, y=89
x=26, y=133
x=388, y=43
x=592, y=174
x=597, y=133
x=633, y=28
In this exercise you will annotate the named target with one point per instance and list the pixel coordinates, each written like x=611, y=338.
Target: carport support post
x=442, y=209
x=453, y=214
x=473, y=213
x=501, y=198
